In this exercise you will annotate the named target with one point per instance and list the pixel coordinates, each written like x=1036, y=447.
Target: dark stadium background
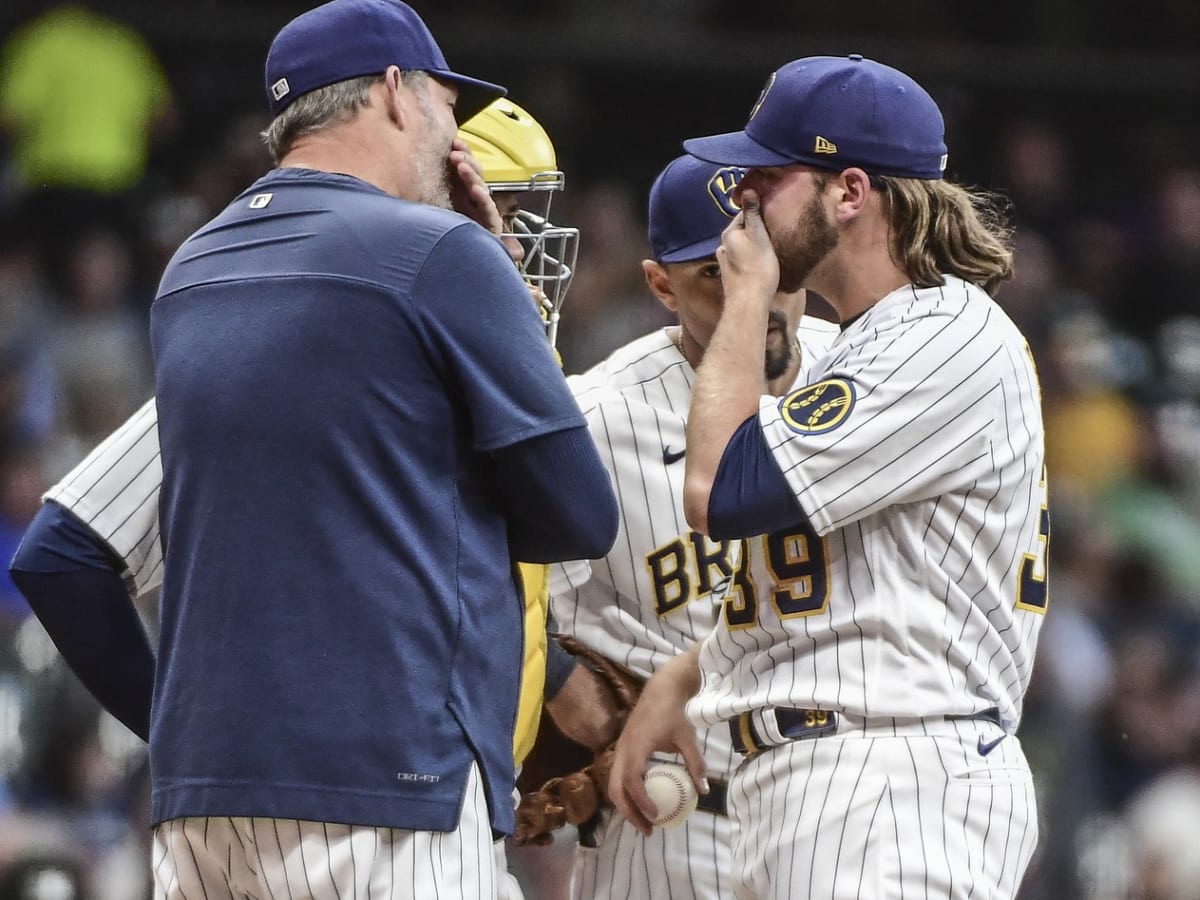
x=1084, y=114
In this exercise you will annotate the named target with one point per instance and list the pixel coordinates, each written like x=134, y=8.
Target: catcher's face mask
x=520, y=167
x=549, y=250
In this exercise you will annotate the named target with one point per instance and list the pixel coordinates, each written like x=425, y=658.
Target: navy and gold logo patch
x=819, y=407
x=721, y=185
x=763, y=96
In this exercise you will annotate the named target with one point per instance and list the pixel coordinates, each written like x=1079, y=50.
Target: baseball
x=671, y=789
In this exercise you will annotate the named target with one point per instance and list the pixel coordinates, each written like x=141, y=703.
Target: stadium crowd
x=1107, y=289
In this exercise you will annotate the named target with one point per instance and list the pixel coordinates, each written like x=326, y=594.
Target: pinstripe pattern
x=114, y=491
x=928, y=496
x=651, y=597
x=916, y=815
x=691, y=860
x=273, y=859
x=900, y=607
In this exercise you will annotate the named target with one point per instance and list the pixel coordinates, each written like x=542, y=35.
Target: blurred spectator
x=42, y=877
x=79, y=790
x=81, y=97
x=100, y=346
x=1036, y=171
x=21, y=485
x=1098, y=260
x=1152, y=517
x=1163, y=819
x=1149, y=724
x=1092, y=429
x=1165, y=284
x=1176, y=273
x=27, y=390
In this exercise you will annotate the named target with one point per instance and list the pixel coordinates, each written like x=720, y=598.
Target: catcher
x=586, y=696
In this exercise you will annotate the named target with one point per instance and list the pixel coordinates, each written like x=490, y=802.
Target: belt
x=714, y=801
x=793, y=725
x=760, y=729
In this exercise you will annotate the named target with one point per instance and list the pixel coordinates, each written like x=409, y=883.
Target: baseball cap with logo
x=347, y=39
x=833, y=112
x=691, y=203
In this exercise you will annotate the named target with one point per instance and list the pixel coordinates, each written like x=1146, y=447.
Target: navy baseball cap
x=834, y=112
x=347, y=39
x=691, y=203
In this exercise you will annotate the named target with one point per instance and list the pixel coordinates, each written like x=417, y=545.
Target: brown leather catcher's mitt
x=562, y=781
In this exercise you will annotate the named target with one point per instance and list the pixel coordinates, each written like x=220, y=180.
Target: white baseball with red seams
x=674, y=795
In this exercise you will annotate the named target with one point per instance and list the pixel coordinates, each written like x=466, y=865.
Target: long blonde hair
x=940, y=228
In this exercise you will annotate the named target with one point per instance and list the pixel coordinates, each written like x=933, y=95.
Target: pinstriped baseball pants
x=687, y=862
x=890, y=817
x=240, y=858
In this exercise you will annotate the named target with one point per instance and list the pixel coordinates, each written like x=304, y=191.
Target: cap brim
x=735, y=149
x=698, y=250
x=474, y=95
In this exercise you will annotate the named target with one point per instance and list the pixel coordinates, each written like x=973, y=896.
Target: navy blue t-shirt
x=341, y=632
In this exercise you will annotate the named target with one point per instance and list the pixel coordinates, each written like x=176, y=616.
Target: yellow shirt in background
x=78, y=93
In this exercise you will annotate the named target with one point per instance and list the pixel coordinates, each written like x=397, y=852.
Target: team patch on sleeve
x=818, y=407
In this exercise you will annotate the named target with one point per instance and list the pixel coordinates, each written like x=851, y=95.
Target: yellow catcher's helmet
x=520, y=167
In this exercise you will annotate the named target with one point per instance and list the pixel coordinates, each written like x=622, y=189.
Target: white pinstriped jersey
x=919, y=590
x=114, y=491
x=651, y=596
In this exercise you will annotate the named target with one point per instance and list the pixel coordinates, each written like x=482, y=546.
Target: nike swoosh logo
x=670, y=456
x=987, y=747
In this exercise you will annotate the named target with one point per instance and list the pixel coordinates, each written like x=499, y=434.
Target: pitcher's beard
x=799, y=250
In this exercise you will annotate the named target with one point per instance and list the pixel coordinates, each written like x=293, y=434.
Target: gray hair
x=325, y=106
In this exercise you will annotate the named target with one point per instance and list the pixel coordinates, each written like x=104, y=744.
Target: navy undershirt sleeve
x=559, y=663
x=750, y=495
x=534, y=476
x=73, y=583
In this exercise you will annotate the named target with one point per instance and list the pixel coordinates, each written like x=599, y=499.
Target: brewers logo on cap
x=721, y=185
x=763, y=96
x=819, y=407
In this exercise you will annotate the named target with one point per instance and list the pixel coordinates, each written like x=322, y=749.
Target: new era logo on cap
x=822, y=145
x=763, y=96
x=280, y=89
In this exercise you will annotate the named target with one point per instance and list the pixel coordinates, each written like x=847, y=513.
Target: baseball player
x=404, y=789
x=871, y=666
x=652, y=595
x=114, y=490
x=520, y=166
